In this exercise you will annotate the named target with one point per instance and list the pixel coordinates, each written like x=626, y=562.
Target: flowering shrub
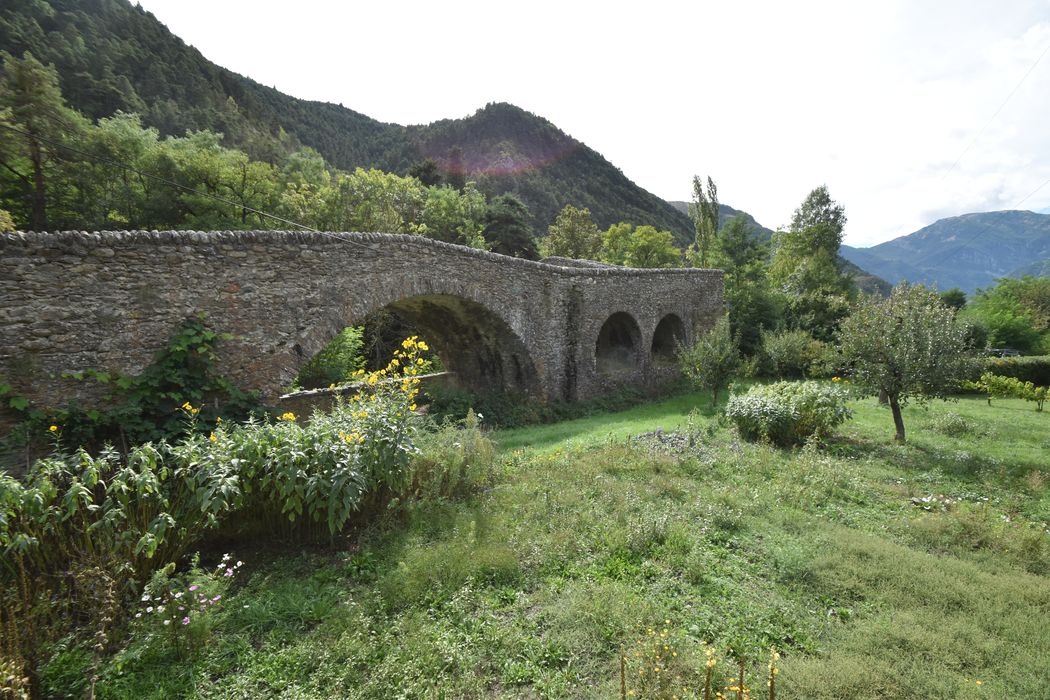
x=181, y=606
x=141, y=511
x=787, y=413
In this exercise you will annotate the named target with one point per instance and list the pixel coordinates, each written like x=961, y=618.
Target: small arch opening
x=617, y=348
x=669, y=334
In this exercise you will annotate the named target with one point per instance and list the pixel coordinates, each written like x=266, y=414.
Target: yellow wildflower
x=53, y=428
x=422, y=346
x=212, y=437
x=412, y=407
x=287, y=416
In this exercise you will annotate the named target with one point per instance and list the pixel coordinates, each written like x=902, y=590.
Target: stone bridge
x=72, y=301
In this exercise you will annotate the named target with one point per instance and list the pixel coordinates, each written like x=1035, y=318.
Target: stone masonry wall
x=73, y=300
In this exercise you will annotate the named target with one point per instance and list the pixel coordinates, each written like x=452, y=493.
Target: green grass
x=586, y=539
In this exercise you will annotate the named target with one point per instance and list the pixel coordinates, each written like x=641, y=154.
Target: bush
x=1033, y=368
x=116, y=519
x=954, y=425
x=1009, y=387
x=787, y=413
x=790, y=353
x=452, y=460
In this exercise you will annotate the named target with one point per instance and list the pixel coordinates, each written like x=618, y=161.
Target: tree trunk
x=884, y=398
x=39, y=210
x=898, y=421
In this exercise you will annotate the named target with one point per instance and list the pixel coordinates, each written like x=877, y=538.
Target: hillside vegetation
x=113, y=56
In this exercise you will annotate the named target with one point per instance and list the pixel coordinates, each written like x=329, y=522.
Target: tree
x=1016, y=313
x=615, y=243
x=704, y=213
x=908, y=346
x=573, y=235
x=806, y=269
x=427, y=172
x=32, y=103
x=507, y=228
x=712, y=360
x=453, y=216
x=651, y=248
x=954, y=298
x=752, y=307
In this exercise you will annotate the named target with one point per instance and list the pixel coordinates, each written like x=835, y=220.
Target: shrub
x=1009, y=387
x=452, y=460
x=711, y=361
x=117, y=519
x=790, y=353
x=787, y=413
x=954, y=425
x=1034, y=368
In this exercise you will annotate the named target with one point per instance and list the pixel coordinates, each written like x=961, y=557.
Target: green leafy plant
x=788, y=413
x=996, y=386
x=711, y=361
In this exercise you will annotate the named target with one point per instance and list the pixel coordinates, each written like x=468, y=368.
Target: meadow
x=874, y=569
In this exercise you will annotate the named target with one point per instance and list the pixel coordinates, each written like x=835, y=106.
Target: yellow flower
x=288, y=416
x=422, y=346
x=412, y=407
x=212, y=437
x=836, y=379
x=53, y=428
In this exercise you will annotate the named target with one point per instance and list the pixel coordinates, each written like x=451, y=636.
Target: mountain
x=865, y=281
x=969, y=251
x=113, y=56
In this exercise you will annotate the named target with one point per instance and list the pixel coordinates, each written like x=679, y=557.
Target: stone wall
x=73, y=300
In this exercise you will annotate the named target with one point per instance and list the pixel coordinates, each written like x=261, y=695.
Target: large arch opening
x=669, y=334
x=616, y=350
x=473, y=344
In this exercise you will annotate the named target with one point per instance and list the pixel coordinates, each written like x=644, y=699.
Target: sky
x=909, y=111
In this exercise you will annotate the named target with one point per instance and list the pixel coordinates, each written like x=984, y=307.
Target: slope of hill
x=113, y=56
x=969, y=251
x=865, y=281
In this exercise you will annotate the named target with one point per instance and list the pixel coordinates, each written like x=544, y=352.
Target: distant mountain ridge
x=113, y=56
x=969, y=251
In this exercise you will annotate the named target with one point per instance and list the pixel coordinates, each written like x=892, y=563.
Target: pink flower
x=229, y=572
x=194, y=587
x=182, y=608
x=186, y=620
x=216, y=599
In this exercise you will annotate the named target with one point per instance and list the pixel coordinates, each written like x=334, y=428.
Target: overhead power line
x=996, y=114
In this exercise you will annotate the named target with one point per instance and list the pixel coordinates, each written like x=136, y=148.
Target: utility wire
x=990, y=120
x=974, y=140
x=1047, y=182
x=172, y=183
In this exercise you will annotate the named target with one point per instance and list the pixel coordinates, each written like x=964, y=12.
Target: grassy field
x=877, y=570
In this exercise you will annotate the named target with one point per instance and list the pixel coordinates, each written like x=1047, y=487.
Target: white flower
x=145, y=597
x=167, y=622
x=149, y=609
x=160, y=608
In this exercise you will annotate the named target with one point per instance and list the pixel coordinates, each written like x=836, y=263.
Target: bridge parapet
x=109, y=300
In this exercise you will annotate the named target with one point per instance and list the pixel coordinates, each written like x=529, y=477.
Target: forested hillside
x=112, y=56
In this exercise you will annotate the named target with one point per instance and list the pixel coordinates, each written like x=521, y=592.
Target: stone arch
x=478, y=347
x=617, y=347
x=669, y=334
